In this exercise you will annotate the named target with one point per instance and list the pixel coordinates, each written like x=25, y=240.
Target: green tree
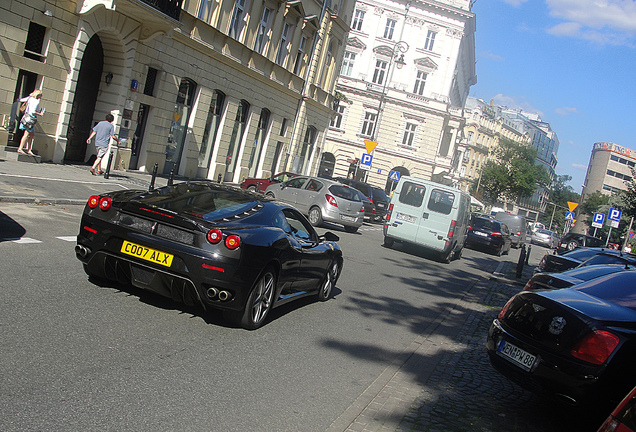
x=629, y=197
x=557, y=206
x=513, y=175
x=596, y=202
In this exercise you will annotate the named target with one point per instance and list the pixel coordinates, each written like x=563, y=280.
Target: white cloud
x=611, y=22
x=515, y=2
x=579, y=167
x=492, y=56
x=565, y=111
x=512, y=102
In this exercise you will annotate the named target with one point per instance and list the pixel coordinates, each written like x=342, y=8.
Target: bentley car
x=572, y=277
x=557, y=263
x=208, y=244
x=575, y=344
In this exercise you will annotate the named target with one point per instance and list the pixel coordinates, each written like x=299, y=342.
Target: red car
x=623, y=418
x=260, y=184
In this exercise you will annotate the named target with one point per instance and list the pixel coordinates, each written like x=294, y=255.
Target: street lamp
x=397, y=57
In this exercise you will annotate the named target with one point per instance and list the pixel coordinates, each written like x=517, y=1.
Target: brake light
x=331, y=200
x=504, y=309
x=596, y=347
x=388, y=213
x=362, y=209
x=610, y=425
x=496, y=234
x=232, y=242
x=105, y=203
x=529, y=285
x=451, y=230
x=215, y=235
x=93, y=201
x=542, y=263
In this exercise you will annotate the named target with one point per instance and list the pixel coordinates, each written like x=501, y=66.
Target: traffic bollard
x=522, y=259
x=219, y=178
x=528, y=254
x=154, y=176
x=110, y=161
x=171, y=177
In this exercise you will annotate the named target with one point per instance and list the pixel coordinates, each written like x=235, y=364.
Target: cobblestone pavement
x=465, y=393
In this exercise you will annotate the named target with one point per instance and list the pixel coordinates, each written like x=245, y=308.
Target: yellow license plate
x=147, y=254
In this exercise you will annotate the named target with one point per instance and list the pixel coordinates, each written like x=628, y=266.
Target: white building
x=406, y=73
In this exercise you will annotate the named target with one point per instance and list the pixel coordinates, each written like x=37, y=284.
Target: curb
x=31, y=200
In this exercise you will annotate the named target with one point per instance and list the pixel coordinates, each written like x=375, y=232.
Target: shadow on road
x=10, y=229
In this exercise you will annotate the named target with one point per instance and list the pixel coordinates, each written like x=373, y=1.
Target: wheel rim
x=313, y=216
x=264, y=292
x=329, y=281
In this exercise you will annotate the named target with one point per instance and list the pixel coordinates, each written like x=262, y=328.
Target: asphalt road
x=79, y=356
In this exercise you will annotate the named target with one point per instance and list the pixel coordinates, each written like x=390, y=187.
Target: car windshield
x=543, y=231
x=378, y=194
x=594, y=242
x=606, y=259
x=344, y=192
x=581, y=254
x=203, y=200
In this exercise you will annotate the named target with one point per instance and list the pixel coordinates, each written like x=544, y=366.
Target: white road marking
x=63, y=180
x=68, y=238
x=24, y=240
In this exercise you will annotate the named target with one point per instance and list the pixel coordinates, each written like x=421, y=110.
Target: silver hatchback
x=321, y=200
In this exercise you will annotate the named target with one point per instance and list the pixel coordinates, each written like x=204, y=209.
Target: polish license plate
x=405, y=217
x=481, y=234
x=516, y=355
x=152, y=255
x=347, y=218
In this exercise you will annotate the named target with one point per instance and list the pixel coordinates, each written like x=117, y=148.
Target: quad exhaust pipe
x=82, y=251
x=215, y=294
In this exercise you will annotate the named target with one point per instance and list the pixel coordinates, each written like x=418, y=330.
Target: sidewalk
x=50, y=183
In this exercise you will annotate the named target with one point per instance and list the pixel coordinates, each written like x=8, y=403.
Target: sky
x=573, y=62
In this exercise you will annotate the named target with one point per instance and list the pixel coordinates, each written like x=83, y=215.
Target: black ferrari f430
x=209, y=244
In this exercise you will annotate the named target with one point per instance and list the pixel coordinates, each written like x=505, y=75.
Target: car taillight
x=331, y=200
x=529, y=285
x=105, y=203
x=451, y=230
x=215, y=235
x=232, y=241
x=542, y=263
x=596, y=347
x=503, y=310
x=609, y=425
x=93, y=201
x=388, y=212
x=496, y=234
x=362, y=209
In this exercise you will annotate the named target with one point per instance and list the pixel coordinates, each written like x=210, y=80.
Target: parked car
x=490, y=234
x=260, y=184
x=575, y=345
x=375, y=194
x=573, y=240
x=544, y=237
x=369, y=208
x=428, y=214
x=610, y=256
x=552, y=262
x=571, y=277
x=322, y=200
x=623, y=417
x=209, y=244
x=518, y=227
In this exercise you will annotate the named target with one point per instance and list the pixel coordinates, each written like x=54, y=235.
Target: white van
x=428, y=214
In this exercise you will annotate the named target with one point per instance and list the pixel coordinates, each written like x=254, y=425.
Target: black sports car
x=572, y=277
x=209, y=244
x=575, y=344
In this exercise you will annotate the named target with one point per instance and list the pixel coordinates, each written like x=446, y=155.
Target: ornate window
x=379, y=72
x=357, y=20
x=430, y=40
x=389, y=28
x=420, y=82
x=368, y=125
x=347, y=63
x=262, y=33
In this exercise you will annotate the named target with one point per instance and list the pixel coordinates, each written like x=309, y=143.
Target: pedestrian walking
x=29, y=118
x=103, y=132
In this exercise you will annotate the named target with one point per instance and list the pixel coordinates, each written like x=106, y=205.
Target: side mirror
x=329, y=236
x=283, y=185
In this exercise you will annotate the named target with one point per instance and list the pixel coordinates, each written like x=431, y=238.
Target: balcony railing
x=172, y=8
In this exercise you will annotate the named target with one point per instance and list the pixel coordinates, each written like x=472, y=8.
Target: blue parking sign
x=599, y=218
x=614, y=215
x=365, y=161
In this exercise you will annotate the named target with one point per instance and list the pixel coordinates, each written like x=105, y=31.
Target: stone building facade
x=206, y=89
x=406, y=73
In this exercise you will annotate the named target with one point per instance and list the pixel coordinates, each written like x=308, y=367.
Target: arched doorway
x=327, y=164
x=86, y=90
x=391, y=183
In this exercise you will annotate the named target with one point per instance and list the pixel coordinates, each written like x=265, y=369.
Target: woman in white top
x=32, y=103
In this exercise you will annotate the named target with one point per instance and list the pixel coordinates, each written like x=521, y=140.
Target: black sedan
x=558, y=263
x=572, y=277
x=490, y=234
x=576, y=344
x=208, y=244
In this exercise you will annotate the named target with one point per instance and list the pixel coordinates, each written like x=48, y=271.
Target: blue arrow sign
x=569, y=216
x=599, y=218
x=394, y=175
x=614, y=215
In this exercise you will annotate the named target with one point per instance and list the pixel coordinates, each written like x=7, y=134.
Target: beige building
x=208, y=89
x=609, y=168
x=406, y=73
